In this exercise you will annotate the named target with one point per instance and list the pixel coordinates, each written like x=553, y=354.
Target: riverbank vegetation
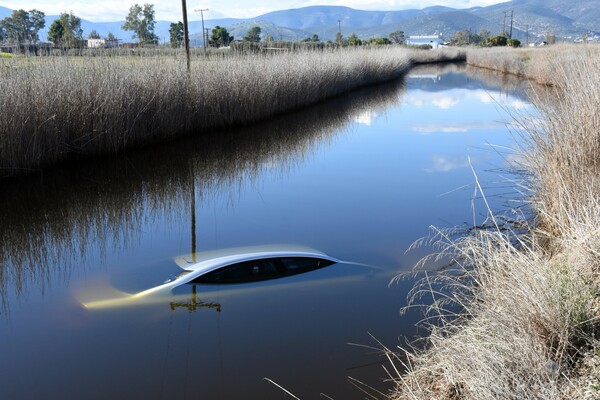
x=517, y=316
x=58, y=108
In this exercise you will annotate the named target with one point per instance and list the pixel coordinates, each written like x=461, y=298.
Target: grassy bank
x=528, y=322
x=56, y=108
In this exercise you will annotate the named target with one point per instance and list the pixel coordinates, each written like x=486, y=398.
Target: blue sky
x=115, y=10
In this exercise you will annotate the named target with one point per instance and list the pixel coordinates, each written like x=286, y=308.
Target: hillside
x=564, y=18
x=318, y=17
x=568, y=19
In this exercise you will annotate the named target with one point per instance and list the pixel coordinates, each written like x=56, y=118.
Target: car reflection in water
x=224, y=267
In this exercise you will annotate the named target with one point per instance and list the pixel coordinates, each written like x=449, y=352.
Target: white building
x=434, y=41
x=101, y=43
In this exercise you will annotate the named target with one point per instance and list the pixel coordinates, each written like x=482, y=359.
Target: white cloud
x=438, y=128
x=518, y=104
x=484, y=97
x=421, y=98
x=446, y=102
x=454, y=127
x=111, y=10
x=501, y=99
x=245, y=11
x=366, y=117
x=445, y=164
x=451, y=98
x=98, y=11
x=385, y=5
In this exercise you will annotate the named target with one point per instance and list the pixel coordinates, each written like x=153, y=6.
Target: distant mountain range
x=533, y=19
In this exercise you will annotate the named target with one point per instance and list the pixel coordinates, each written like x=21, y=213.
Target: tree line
x=22, y=28
x=220, y=37
x=484, y=38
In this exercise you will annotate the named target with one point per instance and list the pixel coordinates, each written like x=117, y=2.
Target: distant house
x=102, y=43
x=434, y=41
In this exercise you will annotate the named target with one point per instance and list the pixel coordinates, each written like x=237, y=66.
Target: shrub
x=514, y=43
x=495, y=41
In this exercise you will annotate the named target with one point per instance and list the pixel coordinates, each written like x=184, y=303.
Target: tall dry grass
x=565, y=146
x=518, y=333
x=528, y=316
x=56, y=108
x=532, y=63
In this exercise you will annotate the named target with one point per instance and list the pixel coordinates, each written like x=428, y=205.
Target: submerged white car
x=248, y=265
x=231, y=266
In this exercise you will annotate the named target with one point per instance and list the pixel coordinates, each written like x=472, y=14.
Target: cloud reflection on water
x=445, y=164
x=366, y=117
x=456, y=127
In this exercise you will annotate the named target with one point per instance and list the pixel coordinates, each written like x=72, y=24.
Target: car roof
x=214, y=259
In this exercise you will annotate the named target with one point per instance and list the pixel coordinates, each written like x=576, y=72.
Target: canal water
x=359, y=178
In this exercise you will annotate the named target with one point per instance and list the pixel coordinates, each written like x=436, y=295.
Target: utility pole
x=202, y=16
x=340, y=31
x=186, y=38
x=193, y=212
x=527, y=35
x=511, y=24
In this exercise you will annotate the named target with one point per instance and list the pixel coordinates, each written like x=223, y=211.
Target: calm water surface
x=359, y=178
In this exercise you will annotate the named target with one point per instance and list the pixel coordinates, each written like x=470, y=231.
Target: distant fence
x=32, y=49
x=134, y=49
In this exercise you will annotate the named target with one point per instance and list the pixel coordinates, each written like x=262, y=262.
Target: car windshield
x=263, y=269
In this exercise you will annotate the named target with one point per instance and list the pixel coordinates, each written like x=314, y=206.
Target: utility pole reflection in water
x=193, y=215
x=195, y=304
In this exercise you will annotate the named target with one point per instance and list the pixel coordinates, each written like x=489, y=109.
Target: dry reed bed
x=532, y=63
x=53, y=109
x=529, y=318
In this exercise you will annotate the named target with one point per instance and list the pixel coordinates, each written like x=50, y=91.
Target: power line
x=202, y=16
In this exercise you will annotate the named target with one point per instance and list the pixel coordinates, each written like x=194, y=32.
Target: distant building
x=434, y=41
x=102, y=43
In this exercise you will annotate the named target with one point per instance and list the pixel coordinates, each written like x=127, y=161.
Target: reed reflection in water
x=52, y=221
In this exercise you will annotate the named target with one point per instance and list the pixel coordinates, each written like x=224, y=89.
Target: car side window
x=247, y=271
x=302, y=264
